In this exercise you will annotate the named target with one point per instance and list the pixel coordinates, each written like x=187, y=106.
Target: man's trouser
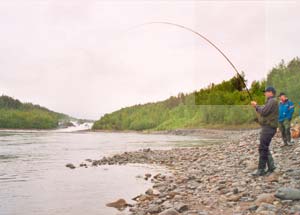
x=266, y=135
x=285, y=128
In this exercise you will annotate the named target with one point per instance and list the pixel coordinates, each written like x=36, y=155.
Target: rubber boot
x=285, y=143
x=261, y=168
x=270, y=163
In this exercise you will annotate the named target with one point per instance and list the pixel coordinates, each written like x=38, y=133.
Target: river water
x=34, y=179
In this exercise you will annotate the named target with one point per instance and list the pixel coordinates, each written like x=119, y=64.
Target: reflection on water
x=34, y=179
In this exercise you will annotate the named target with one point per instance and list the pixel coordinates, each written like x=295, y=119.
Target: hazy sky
x=84, y=58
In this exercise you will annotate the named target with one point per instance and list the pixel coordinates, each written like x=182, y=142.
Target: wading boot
x=270, y=163
x=259, y=172
x=261, y=168
x=284, y=144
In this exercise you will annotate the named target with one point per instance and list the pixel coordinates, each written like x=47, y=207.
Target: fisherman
x=268, y=119
x=286, y=111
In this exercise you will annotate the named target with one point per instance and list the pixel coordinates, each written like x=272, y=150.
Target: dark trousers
x=285, y=128
x=266, y=135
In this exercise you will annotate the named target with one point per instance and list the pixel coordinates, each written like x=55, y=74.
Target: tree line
x=17, y=115
x=223, y=104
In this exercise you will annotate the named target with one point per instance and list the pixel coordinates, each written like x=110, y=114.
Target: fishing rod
x=207, y=40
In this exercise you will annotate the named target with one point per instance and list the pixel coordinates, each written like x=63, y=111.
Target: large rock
x=171, y=211
x=273, y=177
x=143, y=198
x=154, y=209
x=265, y=198
x=70, y=165
x=287, y=193
x=266, y=208
x=266, y=213
x=149, y=192
x=167, y=205
x=180, y=207
x=295, y=131
x=297, y=150
x=234, y=198
x=120, y=204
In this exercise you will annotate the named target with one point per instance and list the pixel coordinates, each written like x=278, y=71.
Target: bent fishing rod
x=207, y=40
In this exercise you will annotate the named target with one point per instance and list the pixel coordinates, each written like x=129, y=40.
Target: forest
x=17, y=115
x=218, y=105
x=286, y=78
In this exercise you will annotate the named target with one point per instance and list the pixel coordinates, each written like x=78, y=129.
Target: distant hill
x=224, y=104
x=285, y=77
x=17, y=115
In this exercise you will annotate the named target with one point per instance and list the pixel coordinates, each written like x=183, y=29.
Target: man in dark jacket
x=268, y=119
x=286, y=111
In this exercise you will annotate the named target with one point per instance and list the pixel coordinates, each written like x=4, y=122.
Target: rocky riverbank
x=216, y=179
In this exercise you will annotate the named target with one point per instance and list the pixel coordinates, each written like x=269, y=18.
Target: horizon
x=248, y=84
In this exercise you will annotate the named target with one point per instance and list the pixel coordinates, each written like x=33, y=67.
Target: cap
x=270, y=89
x=282, y=94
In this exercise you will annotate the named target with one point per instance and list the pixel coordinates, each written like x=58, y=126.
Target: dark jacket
x=286, y=110
x=268, y=114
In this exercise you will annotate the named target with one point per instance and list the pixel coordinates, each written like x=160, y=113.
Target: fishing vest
x=272, y=118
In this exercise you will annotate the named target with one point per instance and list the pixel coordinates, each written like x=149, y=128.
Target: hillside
x=17, y=115
x=286, y=78
x=218, y=104
x=223, y=104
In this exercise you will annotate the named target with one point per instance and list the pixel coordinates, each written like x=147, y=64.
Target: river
x=34, y=179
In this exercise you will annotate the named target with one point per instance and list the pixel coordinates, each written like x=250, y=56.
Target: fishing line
x=207, y=40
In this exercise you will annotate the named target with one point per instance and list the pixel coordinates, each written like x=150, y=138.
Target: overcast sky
x=84, y=58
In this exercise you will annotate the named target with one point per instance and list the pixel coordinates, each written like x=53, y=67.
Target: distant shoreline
x=186, y=131
x=216, y=133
